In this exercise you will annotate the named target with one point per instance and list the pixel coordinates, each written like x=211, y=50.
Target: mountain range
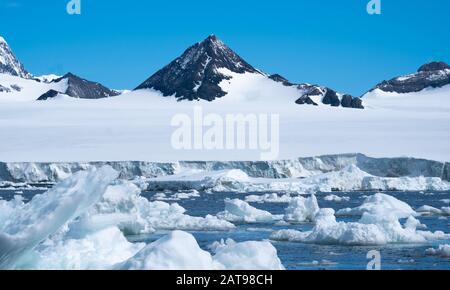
x=200, y=74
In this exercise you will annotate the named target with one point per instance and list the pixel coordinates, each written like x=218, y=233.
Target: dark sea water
x=310, y=256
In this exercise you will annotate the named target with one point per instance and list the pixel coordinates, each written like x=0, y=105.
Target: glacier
x=34, y=172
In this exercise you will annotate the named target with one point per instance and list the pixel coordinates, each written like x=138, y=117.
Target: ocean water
x=299, y=256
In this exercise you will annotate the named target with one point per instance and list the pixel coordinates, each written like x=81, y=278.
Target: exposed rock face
x=331, y=98
x=4, y=89
x=326, y=95
x=348, y=101
x=80, y=88
x=434, y=66
x=357, y=103
x=431, y=75
x=48, y=95
x=305, y=100
x=9, y=64
x=280, y=79
x=195, y=75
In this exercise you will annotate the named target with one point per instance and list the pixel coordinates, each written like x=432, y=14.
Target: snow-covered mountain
x=430, y=75
x=77, y=87
x=9, y=64
x=207, y=69
x=18, y=85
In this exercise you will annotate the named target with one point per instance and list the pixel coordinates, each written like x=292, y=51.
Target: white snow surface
x=137, y=125
x=30, y=91
x=429, y=210
x=336, y=198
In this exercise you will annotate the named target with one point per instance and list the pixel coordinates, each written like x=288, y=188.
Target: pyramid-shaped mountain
x=194, y=75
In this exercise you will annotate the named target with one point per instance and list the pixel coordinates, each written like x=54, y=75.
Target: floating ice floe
x=302, y=209
x=179, y=250
x=441, y=251
x=378, y=204
x=190, y=194
x=237, y=210
x=269, y=198
x=124, y=207
x=378, y=225
x=95, y=251
x=429, y=210
x=249, y=255
x=335, y=198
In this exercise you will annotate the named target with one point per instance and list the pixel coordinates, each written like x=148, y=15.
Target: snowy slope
x=18, y=90
x=137, y=126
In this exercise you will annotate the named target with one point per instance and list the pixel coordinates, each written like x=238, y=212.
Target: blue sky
x=333, y=43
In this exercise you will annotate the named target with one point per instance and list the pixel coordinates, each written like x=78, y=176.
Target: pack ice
x=380, y=224
x=81, y=224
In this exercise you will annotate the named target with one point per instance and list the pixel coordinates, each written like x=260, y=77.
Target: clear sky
x=328, y=42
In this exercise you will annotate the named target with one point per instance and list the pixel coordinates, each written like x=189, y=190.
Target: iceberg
x=96, y=251
x=335, y=198
x=176, y=251
x=237, y=210
x=180, y=251
x=26, y=225
x=429, y=210
x=379, y=204
x=378, y=225
x=269, y=198
x=302, y=209
x=251, y=255
x=442, y=251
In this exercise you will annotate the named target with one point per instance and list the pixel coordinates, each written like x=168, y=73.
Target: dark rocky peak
x=280, y=79
x=430, y=75
x=195, y=75
x=434, y=66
